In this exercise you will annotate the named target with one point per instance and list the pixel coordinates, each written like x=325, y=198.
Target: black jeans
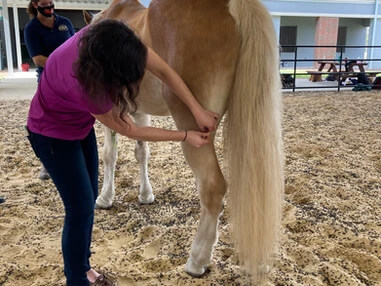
x=73, y=167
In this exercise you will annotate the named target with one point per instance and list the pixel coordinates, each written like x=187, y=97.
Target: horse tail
x=253, y=139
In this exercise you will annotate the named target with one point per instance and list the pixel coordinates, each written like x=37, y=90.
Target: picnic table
x=347, y=70
x=359, y=64
x=316, y=75
x=350, y=68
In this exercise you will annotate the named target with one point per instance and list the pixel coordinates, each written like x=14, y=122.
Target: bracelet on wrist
x=186, y=134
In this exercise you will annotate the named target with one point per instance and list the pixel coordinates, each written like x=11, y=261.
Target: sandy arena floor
x=331, y=232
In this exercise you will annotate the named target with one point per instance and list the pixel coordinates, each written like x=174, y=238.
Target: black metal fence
x=289, y=78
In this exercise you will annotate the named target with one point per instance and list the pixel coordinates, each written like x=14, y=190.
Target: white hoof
x=264, y=269
x=146, y=200
x=195, y=270
x=101, y=204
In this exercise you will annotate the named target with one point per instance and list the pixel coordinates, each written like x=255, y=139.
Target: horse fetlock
x=194, y=269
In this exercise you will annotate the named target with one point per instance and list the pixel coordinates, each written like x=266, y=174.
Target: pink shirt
x=60, y=108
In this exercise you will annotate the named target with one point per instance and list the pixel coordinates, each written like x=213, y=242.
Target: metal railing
x=341, y=70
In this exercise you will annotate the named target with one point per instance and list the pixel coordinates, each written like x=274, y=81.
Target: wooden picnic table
x=334, y=66
x=331, y=64
x=360, y=65
x=316, y=75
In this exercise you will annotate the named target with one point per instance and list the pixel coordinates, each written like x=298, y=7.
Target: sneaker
x=103, y=280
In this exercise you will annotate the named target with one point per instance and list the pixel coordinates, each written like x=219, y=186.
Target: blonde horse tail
x=253, y=139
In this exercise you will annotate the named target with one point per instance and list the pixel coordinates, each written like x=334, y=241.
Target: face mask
x=46, y=11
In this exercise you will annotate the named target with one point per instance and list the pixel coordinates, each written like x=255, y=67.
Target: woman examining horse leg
x=96, y=75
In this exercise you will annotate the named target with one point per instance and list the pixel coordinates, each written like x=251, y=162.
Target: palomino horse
x=227, y=53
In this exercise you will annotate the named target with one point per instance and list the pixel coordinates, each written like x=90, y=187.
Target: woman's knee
x=81, y=213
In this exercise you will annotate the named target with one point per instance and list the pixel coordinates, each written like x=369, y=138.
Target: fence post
x=340, y=70
x=295, y=61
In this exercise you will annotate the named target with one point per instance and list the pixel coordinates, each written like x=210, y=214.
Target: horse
x=226, y=51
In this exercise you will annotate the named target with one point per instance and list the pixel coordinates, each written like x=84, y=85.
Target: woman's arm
x=206, y=120
x=146, y=133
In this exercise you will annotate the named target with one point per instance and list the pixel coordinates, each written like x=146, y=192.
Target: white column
x=8, y=46
x=373, y=40
x=17, y=36
x=276, y=22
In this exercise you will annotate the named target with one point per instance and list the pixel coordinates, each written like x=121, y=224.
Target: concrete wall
x=305, y=36
x=356, y=36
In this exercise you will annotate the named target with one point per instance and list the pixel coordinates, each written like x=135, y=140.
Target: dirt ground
x=331, y=230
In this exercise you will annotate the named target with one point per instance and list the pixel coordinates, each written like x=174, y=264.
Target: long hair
x=31, y=10
x=254, y=139
x=111, y=63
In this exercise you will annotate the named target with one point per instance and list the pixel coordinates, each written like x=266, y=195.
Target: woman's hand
x=197, y=138
x=206, y=119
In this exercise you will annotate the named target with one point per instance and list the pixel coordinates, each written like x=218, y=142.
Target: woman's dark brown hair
x=31, y=10
x=111, y=63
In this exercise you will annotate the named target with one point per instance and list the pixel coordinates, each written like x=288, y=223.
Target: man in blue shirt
x=45, y=32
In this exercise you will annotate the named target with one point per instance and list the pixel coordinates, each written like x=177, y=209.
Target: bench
x=371, y=74
x=317, y=75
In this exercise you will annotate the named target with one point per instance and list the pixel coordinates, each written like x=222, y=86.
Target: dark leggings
x=73, y=167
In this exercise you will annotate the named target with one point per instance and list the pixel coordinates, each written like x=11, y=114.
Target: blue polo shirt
x=42, y=40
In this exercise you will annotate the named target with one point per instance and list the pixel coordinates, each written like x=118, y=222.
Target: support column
x=17, y=36
x=8, y=45
x=375, y=26
x=276, y=22
x=326, y=32
x=374, y=40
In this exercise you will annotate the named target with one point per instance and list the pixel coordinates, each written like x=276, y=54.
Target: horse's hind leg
x=211, y=187
x=110, y=155
x=142, y=154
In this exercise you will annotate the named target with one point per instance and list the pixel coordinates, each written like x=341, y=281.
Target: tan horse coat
x=227, y=53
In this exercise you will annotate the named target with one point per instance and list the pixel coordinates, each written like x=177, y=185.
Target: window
x=341, y=38
x=288, y=37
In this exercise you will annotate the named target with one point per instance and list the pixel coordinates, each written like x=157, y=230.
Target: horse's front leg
x=142, y=154
x=211, y=187
x=110, y=155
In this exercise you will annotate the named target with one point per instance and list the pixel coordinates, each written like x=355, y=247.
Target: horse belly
x=150, y=99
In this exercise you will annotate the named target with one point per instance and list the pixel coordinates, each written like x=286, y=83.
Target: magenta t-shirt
x=61, y=108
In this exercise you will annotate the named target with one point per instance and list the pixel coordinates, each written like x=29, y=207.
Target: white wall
x=305, y=36
x=356, y=36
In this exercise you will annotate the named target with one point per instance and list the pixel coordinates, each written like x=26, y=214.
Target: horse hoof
x=100, y=204
x=100, y=207
x=195, y=271
x=146, y=200
x=264, y=269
